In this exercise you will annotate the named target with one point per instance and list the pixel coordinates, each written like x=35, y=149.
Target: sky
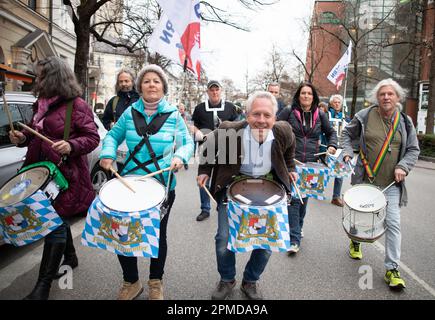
x=230, y=53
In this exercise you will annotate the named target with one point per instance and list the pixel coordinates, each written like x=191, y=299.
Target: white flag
x=338, y=73
x=177, y=36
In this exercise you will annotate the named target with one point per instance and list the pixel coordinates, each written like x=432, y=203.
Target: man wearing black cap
x=208, y=116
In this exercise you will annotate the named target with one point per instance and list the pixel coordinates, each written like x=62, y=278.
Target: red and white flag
x=338, y=73
x=177, y=36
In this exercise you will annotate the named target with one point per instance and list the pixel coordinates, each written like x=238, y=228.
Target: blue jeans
x=338, y=182
x=226, y=259
x=393, y=237
x=296, y=215
x=205, y=200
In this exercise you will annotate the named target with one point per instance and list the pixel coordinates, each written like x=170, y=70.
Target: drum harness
x=145, y=131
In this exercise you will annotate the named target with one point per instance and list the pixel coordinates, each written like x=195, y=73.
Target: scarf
x=43, y=104
x=151, y=107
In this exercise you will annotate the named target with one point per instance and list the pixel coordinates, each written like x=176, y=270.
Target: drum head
x=23, y=185
x=148, y=194
x=256, y=192
x=365, y=198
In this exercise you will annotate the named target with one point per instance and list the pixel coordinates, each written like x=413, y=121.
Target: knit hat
x=156, y=69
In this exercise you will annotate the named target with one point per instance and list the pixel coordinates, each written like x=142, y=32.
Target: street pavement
x=321, y=270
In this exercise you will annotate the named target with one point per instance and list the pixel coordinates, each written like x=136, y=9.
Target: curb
x=424, y=158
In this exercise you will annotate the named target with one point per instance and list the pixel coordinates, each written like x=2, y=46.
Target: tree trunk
x=431, y=102
x=354, y=88
x=82, y=53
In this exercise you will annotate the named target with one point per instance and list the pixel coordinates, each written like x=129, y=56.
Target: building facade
x=33, y=30
x=388, y=37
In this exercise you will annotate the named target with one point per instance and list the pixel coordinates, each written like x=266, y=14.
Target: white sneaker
x=294, y=248
x=302, y=233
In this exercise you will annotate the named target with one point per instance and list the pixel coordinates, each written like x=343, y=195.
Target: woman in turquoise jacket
x=153, y=85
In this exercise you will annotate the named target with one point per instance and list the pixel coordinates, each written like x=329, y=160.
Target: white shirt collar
x=248, y=135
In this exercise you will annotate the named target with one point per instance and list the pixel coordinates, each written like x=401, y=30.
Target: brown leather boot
x=337, y=201
x=155, y=289
x=130, y=291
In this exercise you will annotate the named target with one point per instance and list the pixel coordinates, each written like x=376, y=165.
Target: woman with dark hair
x=308, y=123
x=58, y=91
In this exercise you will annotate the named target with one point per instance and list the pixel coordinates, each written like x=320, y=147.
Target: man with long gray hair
x=126, y=95
x=388, y=150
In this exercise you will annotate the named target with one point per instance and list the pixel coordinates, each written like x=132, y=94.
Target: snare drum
x=364, y=213
x=257, y=215
x=26, y=211
x=125, y=222
x=338, y=167
x=313, y=180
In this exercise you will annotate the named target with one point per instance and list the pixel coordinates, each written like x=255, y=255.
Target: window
x=19, y=112
x=32, y=4
x=118, y=64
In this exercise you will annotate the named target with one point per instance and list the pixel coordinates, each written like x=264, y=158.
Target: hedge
x=427, y=144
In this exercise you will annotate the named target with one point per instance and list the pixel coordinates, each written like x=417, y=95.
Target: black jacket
x=307, y=137
x=125, y=100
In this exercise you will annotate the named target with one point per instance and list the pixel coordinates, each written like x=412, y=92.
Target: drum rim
x=368, y=240
x=232, y=199
x=128, y=212
x=20, y=173
x=370, y=185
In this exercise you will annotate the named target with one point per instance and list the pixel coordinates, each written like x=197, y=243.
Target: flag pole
x=345, y=78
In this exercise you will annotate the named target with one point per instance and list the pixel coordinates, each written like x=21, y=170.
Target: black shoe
x=251, y=291
x=223, y=290
x=186, y=167
x=203, y=215
x=51, y=258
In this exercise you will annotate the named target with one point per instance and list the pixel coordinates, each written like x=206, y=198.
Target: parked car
x=12, y=158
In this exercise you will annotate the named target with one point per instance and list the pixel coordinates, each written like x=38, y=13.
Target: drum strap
x=372, y=172
x=145, y=130
x=67, y=128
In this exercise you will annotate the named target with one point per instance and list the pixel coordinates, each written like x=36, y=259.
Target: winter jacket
x=126, y=99
x=161, y=142
x=307, y=143
x=282, y=154
x=83, y=139
x=353, y=138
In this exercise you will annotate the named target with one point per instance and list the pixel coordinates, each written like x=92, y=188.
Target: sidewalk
x=425, y=164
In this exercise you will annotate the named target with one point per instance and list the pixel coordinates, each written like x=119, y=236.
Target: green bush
x=427, y=144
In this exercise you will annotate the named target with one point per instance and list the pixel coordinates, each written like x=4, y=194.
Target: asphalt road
x=321, y=270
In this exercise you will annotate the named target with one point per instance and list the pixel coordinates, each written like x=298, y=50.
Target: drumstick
x=209, y=194
x=123, y=181
x=297, y=190
x=350, y=167
x=388, y=186
x=320, y=153
x=153, y=174
x=6, y=107
x=35, y=133
x=297, y=161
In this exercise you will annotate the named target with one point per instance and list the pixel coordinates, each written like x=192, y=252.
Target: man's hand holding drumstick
x=201, y=181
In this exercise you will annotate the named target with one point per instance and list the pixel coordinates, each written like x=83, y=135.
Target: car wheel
x=99, y=176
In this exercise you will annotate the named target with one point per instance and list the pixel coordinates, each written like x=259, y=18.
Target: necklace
x=385, y=130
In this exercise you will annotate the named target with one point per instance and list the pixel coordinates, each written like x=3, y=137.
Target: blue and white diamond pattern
x=316, y=193
x=39, y=206
x=149, y=220
x=235, y=213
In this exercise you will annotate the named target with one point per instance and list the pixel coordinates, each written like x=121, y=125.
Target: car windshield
x=19, y=112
